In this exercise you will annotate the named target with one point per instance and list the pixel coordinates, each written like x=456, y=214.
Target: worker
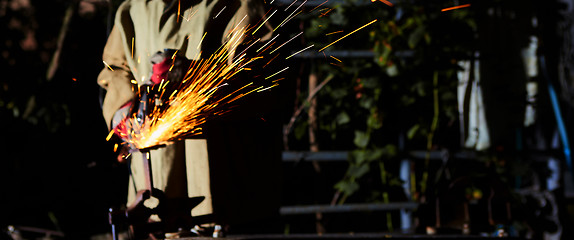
x=235, y=164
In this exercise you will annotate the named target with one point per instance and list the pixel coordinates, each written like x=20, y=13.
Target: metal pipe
x=312, y=209
x=147, y=170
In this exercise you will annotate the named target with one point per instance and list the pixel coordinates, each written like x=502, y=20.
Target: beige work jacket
x=236, y=173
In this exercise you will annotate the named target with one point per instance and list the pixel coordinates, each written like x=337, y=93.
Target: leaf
x=300, y=130
x=428, y=38
x=395, y=182
x=392, y=70
x=416, y=36
x=374, y=122
x=370, y=82
x=377, y=93
x=361, y=139
x=407, y=100
x=358, y=156
x=339, y=93
x=389, y=151
x=408, y=23
x=419, y=88
x=342, y=118
x=347, y=187
x=384, y=56
x=412, y=131
x=366, y=102
x=338, y=17
x=358, y=170
x=375, y=154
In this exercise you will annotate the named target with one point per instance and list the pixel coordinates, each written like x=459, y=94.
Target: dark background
x=58, y=171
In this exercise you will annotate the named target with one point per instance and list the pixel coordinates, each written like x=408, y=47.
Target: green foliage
x=372, y=101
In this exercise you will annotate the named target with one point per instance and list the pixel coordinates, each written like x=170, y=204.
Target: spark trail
x=194, y=102
x=455, y=7
x=320, y=50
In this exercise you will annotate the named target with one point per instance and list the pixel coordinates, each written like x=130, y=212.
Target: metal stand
x=174, y=213
x=147, y=169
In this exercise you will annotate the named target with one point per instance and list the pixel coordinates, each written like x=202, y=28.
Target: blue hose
x=558, y=115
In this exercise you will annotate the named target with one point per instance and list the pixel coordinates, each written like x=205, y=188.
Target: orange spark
x=267, y=88
x=107, y=65
x=132, y=47
x=277, y=80
x=333, y=33
x=200, y=41
x=286, y=42
x=263, y=17
x=318, y=6
x=276, y=55
x=384, y=1
x=237, y=25
x=300, y=51
x=267, y=43
x=325, y=13
x=178, y=9
x=110, y=135
x=264, y=22
x=288, y=18
x=276, y=73
x=268, y=47
x=455, y=7
x=291, y=5
x=219, y=12
x=348, y=35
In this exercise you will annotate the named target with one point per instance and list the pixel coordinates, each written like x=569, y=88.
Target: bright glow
x=194, y=102
x=455, y=7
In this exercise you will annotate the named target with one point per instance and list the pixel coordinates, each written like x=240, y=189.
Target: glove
x=166, y=66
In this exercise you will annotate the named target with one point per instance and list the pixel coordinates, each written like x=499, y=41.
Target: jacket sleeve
x=115, y=77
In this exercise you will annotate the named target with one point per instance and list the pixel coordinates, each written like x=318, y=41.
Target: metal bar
x=36, y=230
x=334, y=156
x=147, y=169
x=294, y=156
x=404, y=173
x=310, y=3
x=113, y=222
x=337, y=54
x=314, y=3
x=115, y=235
x=355, y=207
x=350, y=54
x=350, y=236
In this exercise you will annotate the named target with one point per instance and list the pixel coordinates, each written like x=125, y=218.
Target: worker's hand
x=123, y=153
x=120, y=124
x=168, y=66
